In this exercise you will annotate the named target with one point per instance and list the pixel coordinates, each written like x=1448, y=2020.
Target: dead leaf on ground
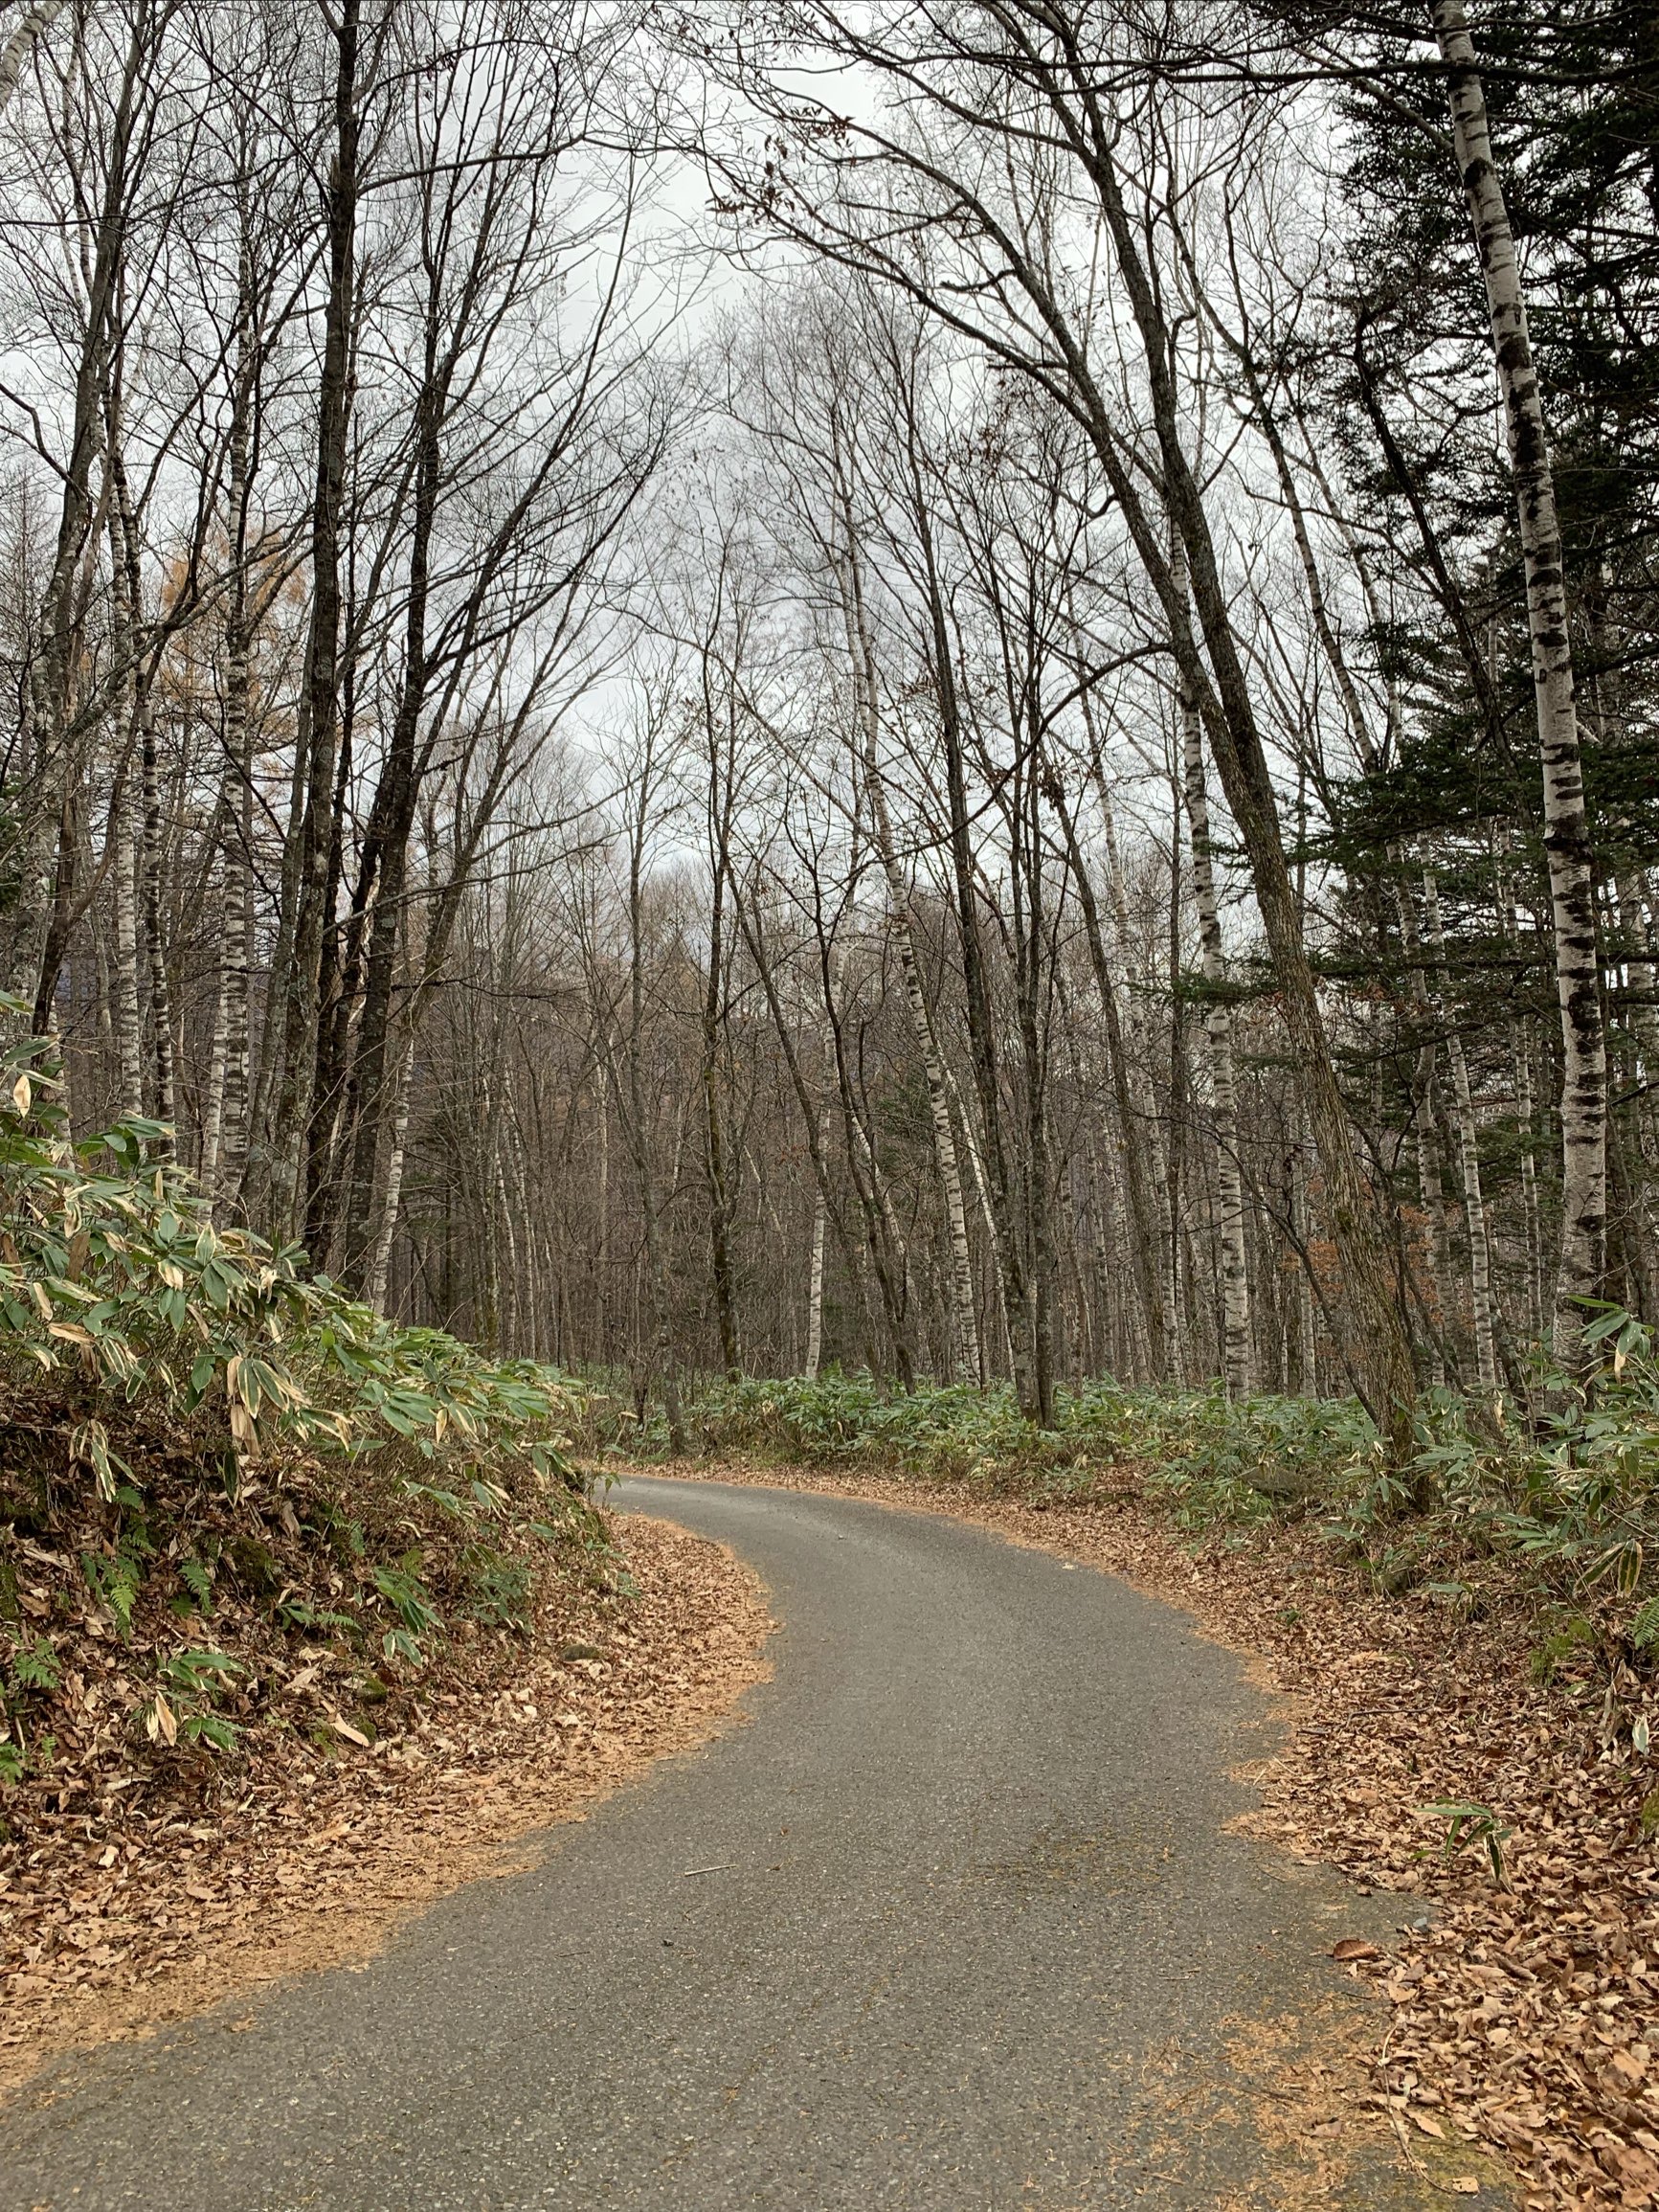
x=1527, y=2012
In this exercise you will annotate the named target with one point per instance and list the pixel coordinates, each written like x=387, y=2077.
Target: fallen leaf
x=1355, y=1946
x=1429, y=2127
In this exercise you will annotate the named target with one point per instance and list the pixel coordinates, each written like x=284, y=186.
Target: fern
x=35, y=1667
x=296, y=1613
x=115, y=1579
x=198, y=1580
x=1645, y=1628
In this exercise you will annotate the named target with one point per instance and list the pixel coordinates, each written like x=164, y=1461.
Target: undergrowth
x=1569, y=1494
x=212, y=1457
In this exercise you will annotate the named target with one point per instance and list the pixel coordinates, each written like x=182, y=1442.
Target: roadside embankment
x=143, y=1881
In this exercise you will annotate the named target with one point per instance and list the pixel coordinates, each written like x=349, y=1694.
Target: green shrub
x=1571, y=1491
x=115, y=1283
x=497, y=1588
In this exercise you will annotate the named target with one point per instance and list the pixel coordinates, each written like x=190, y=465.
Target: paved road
x=971, y=1942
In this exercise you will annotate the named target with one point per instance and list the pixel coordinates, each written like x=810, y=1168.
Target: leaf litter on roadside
x=147, y=1893
x=1511, y=1805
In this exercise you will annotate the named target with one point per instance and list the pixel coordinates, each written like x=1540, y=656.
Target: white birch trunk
x=987, y=1214
x=36, y=22
x=1566, y=836
x=1468, y=1160
x=128, y=1016
x=391, y=1190
x=1218, y=1033
x=155, y=942
x=1636, y=930
x=1431, y=1198
x=238, y=949
x=214, y=1102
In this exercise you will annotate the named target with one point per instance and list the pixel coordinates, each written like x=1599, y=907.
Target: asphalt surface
x=951, y=1924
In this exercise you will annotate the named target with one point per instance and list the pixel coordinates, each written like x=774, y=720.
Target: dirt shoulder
x=1523, y=2019
x=111, y=1924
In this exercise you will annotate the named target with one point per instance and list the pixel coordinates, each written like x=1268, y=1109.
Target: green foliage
x=499, y=1588
x=174, y=1355
x=189, y=1684
x=1571, y=1490
x=296, y=1613
x=114, y=1277
x=115, y=1579
x=210, y=1728
x=407, y=1595
x=1216, y=1459
x=1573, y=1634
x=33, y=1666
x=198, y=1579
x=1475, y=1824
x=114, y=1283
x=200, y=1673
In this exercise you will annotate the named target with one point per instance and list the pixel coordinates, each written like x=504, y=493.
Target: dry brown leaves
x=1526, y=2020
x=117, y=1918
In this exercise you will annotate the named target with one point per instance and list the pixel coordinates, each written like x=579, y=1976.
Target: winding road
x=951, y=1924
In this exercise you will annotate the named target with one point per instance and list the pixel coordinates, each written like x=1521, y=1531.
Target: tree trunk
x=1382, y=1347
x=714, y=1159
x=1236, y=1341
x=237, y=787
x=1566, y=832
x=964, y=1312
x=995, y=1178
x=213, y=1133
x=143, y=737
x=128, y=1014
x=815, y=1283
x=1468, y=1160
x=320, y=699
x=1144, y=1255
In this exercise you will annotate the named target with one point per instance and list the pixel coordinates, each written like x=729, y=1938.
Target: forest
x=897, y=748
x=1004, y=737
